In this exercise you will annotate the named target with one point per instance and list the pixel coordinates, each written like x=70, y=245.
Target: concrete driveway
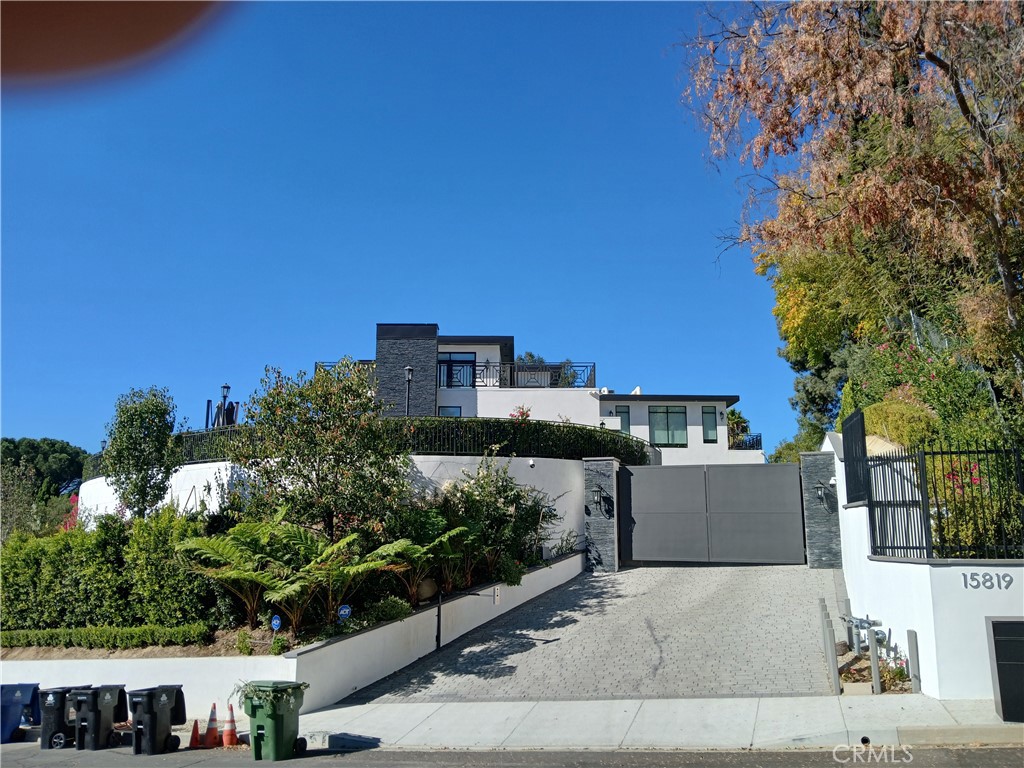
x=638, y=634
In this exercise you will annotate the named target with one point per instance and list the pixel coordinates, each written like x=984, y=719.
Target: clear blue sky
x=299, y=172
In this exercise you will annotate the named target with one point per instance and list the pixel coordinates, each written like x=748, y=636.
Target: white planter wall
x=334, y=669
x=930, y=598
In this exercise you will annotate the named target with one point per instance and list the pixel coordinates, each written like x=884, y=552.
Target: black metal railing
x=453, y=374
x=436, y=435
x=746, y=441
x=855, y=458
x=944, y=501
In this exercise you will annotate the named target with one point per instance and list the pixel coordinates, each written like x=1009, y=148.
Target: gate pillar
x=600, y=513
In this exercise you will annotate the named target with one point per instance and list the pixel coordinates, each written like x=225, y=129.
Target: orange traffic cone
x=230, y=732
x=194, y=742
x=212, y=738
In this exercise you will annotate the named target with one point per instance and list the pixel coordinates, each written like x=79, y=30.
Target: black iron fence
x=454, y=374
x=435, y=435
x=943, y=501
x=747, y=441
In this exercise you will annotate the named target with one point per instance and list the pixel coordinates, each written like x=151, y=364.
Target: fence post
x=913, y=661
x=876, y=678
x=926, y=517
x=844, y=606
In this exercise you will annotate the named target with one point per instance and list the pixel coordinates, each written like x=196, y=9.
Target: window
x=710, y=423
x=622, y=411
x=454, y=411
x=668, y=425
x=455, y=369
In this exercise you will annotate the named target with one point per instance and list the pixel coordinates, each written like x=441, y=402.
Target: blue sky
x=301, y=171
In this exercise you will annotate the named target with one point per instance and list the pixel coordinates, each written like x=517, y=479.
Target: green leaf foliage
x=141, y=453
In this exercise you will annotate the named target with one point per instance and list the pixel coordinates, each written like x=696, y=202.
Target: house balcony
x=458, y=375
x=748, y=441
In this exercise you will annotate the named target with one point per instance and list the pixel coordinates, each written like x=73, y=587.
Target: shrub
x=278, y=645
x=108, y=637
x=244, y=643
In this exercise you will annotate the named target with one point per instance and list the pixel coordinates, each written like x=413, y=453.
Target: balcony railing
x=456, y=375
x=748, y=441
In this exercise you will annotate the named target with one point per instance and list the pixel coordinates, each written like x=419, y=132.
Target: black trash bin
x=96, y=711
x=58, y=722
x=154, y=711
x=15, y=698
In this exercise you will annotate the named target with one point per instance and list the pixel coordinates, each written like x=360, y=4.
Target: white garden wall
x=334, y=669
x=930, y=598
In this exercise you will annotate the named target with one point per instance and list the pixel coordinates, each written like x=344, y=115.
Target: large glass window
x=668, y=425
x=455, y=369
x=622, y=411
x=708, y=413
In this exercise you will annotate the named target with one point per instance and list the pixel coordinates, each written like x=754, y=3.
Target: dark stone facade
x=821, y=516
x=397, y=347
x=600, y=518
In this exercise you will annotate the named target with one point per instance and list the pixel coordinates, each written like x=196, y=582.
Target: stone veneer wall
x=397, y=347
x=600, y=520
x=821, y=517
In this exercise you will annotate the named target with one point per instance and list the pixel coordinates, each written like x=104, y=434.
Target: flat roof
x=730, y=400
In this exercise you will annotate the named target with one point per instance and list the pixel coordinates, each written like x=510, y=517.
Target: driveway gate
x=738, y=513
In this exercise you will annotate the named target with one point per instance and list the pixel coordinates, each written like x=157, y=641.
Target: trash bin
x=273, y=710
x=154, y=711
x=15, y=698
x=58, y=721
x=96, y=711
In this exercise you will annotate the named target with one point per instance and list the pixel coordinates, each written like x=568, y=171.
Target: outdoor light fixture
x=598, y=497
x=602, y=424
x=408, y=387
x=819, y=489
x=224, y=391
x=103, y=445
x=721, y=415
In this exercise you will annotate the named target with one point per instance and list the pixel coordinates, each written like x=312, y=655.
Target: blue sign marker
x=275, y=623
x=344, y=612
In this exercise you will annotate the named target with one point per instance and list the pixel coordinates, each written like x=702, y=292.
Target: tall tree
x=888, y=136
x=142, y=453
x=318, y=446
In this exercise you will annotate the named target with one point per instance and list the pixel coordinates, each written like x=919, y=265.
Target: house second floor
x=422, y=373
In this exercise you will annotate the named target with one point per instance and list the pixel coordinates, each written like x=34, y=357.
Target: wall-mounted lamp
x=598, y=497
x=721, y=415
x=611, y=413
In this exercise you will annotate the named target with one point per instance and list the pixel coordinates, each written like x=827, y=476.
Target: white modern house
x=426, y=374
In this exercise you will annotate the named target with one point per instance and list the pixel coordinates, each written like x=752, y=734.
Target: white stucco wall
x=190, y=485
x=930, y=598
x=560, y=479
x=333, y=669
x=545, y=403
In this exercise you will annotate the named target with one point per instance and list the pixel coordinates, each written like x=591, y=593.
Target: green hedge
x=120, y=574
x=108, y=637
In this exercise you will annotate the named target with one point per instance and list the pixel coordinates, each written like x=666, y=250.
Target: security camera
x=532, y=464
x=832, y=482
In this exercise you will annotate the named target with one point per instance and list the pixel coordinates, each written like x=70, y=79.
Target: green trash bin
x=273, y=710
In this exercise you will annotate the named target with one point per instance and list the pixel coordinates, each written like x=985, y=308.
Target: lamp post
x=408, y=387
x=103, y=445
x=224, y=391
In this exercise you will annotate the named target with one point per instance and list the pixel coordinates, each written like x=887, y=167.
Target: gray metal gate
x=738, y=513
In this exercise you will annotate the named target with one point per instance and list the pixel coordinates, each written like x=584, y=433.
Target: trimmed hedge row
x=108, y=637
x=120, y=574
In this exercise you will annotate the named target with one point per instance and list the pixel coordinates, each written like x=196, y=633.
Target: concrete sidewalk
x=719, y=723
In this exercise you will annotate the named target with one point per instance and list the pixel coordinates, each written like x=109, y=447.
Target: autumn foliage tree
x=887, y=140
